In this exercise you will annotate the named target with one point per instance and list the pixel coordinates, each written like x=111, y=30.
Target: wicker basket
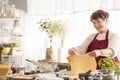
x=4, y=70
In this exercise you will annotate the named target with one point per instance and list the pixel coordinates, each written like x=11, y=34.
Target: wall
x=77, y=16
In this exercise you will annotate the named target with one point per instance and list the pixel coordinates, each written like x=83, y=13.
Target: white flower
x=54, y=28
x=61, y=29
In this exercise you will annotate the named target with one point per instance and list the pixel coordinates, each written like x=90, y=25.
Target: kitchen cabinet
x=10, y=40
x=9, y=31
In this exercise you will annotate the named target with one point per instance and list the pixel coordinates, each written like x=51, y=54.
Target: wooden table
x=20, y=77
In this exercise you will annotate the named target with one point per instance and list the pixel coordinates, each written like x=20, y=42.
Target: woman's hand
x=95, y=53
x=72, y=51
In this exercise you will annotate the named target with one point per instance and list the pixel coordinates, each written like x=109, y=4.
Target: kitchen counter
x=42, y=76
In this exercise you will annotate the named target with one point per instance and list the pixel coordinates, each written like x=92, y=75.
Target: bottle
x=12, y=11
x=3, y=12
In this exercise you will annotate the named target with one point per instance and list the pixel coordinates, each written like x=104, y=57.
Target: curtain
x=57, y=7
x=76, y=13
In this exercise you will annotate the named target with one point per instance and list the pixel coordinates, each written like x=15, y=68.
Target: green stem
x=50, y=42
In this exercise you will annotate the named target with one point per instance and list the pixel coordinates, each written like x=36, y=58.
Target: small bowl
x=105, y=72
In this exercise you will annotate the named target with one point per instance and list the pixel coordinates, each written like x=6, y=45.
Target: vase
x=60, y=52
x=50, y=56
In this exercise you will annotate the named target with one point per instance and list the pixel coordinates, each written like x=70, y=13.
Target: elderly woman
x=102, y=44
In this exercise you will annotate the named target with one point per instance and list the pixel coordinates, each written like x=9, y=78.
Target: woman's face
x=100, y=25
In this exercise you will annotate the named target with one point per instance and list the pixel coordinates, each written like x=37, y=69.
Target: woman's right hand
x=72, y=51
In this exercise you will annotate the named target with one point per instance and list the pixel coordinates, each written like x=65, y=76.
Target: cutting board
x=82, y=63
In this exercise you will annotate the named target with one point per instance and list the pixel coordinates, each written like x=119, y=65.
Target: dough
x=82, y=63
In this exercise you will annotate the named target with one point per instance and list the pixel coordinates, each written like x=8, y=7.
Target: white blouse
x=113, y=42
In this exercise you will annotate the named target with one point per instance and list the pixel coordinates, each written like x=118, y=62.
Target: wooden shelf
x=9, y=18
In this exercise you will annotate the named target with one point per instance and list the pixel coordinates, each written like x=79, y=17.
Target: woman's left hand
x=95, y=53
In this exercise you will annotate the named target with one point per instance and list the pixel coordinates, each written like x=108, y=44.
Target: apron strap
x=96, y=36
x=107, y=33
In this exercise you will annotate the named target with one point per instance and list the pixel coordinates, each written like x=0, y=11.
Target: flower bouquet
x=53, y=28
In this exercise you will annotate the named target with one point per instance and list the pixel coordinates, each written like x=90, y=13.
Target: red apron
x=98, y=44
